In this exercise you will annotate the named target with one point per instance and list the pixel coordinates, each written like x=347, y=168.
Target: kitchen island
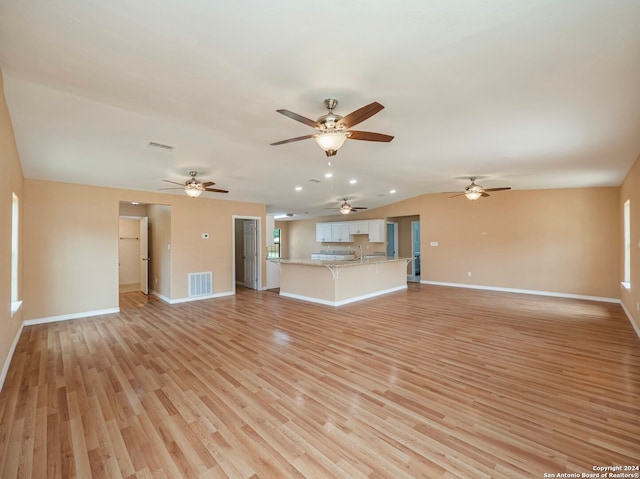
x=336, y=283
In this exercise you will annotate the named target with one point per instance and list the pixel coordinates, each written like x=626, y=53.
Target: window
x=627, y=245
x=274, y=251
x=15, y=229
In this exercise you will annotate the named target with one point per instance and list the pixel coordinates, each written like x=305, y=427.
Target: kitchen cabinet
x=358, y=227
x=340, y=233
x=376, y=231
x=323, y=232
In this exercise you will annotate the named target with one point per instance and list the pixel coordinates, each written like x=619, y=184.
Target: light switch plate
x=205, y=235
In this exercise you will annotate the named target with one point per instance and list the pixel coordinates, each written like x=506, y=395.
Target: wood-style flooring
x=431, y=382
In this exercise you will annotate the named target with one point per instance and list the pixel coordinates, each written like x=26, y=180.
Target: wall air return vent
x=200, y=284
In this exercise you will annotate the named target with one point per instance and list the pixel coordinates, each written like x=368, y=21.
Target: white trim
x=15, y=307
x=626, y=285
x=259, y=258
x=633, y=323
x=7, y=362
x=344, y=301
x=524, y=291
x=196, y=298
x=66, y=317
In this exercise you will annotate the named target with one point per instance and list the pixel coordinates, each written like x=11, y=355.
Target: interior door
x=144, y=255
x=415, y=247
x=392, y=236
x=250, y=251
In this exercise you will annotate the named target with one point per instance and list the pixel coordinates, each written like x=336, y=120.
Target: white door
x=144, y=255
x=250, y=252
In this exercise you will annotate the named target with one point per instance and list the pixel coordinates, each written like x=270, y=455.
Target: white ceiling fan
x=193, y=187
x=474, y=191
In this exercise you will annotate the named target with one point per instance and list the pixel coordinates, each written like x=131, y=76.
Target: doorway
x=407, y=241
x=415, y=250
x=133, y=254
x=246, y=252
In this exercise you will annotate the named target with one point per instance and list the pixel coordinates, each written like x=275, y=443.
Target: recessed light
x=353, y=182
x=392, y=191
x=328, y=175
x=298, y=188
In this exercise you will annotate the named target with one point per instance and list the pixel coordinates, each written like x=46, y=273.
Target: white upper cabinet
x=340, y=233
x=323, y=232
x=359, y=227
x=376, y=231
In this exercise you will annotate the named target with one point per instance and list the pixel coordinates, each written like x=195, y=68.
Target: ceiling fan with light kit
x=194, y=187
x=334, y=129
x=474, y=191
x=345, y=208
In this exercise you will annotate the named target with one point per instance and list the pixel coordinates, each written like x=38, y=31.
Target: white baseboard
x=524, y=291
x=326, y=302
x=186, y=300
x=633, y=323
x=7, y=362
x=66, y=317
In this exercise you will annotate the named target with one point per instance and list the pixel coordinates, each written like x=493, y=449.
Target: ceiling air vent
x=162, y=146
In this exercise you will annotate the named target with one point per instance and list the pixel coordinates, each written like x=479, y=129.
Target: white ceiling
x=530, y=94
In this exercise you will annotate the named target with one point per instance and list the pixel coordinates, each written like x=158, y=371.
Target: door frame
x=413, y=251
x=258, y=220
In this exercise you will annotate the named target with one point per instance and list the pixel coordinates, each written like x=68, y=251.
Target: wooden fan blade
x=171, y=188
x=216, y=190
x=359, y=208
x=459, y=194
x=300, y=118
x=361, y=114
x=206, y=184
x=290, y=140
x=497, y=189
x=484, y=194
x=167, y=181
x=368, y=136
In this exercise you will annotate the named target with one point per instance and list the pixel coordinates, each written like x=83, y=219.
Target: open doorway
x=246, y=252
x=407, y=242
x=144, y=253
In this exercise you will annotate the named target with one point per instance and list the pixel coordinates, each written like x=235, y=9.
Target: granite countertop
x=352, y=262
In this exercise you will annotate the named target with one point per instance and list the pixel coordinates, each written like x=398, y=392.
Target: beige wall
x=11, y=181
x=71, y=234
x=128, y=251
x=563, y=241
x=630, y=190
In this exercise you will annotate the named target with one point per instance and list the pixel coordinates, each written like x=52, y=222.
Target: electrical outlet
x=469, y=274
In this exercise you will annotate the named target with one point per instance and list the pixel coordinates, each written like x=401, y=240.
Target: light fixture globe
x=193, y=189
x=345, y=209
x=330, y=141
x=473, y=195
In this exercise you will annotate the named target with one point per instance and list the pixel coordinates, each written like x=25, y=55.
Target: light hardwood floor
x=433, y=382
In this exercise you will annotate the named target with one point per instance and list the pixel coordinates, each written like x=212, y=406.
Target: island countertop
x=348, y=262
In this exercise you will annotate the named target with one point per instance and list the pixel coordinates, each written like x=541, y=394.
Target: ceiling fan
x=194, y=187
x=475, y=191
x=334, y=129
x=345, y=208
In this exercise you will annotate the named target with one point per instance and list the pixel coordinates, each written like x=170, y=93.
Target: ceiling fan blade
x=167, y=181
x=206, y=184
x=497, y=189
x=300, y=118
x=290, y=140
x=216, y=190
x=484, y=194
x=459, y=194
x=358, y=207
x=361, y=114
x=171, y=188
x=368, y=136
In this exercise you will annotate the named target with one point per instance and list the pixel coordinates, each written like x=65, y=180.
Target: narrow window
x=274, y=251
x=627, y=244
x=15, y=226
